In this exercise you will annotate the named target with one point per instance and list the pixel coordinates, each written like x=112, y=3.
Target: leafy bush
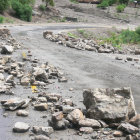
x=123, y=1
x=49, y=2
x=111, y=2
x=138, y=30
x=103, y=5
x=42, y=7
x=120, y=8
x=4, y=4
x=1, y=19
x=22, y=11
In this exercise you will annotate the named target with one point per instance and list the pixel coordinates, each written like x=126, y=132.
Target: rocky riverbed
x=109, y=114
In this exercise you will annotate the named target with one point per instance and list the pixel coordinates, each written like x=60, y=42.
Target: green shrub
x=120, y=8
x=49, y=2
x=103, y=5
x=4, y=4
x=22, y=11
x=42, y=7
x=123, y=1
x=1, y=19
x=138, y=30
x=124, y=37
x=111, y=2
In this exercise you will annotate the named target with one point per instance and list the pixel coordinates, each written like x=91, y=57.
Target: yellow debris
x=34, y=89
x=24, y=55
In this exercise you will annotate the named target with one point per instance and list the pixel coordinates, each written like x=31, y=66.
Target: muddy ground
x=83, y=69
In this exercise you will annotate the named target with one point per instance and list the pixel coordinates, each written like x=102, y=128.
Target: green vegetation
x=22, y=9
x=105, y=3
x=1, y=19
x=4, y=4
x=71, y=35
x=42, y=7
x=85, y=34
x=123, y=1
x=74, y=1
x=124, y=37
x=120, y=8
x=49, y=2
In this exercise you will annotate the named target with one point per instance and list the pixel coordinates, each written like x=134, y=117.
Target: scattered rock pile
x=109, y=112
x=84, y=44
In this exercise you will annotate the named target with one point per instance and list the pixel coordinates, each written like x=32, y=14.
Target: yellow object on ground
x=34, y=89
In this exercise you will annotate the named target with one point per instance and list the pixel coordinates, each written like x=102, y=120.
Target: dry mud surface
x=83, y=69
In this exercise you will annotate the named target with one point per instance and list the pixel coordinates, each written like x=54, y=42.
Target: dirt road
x=84, y=70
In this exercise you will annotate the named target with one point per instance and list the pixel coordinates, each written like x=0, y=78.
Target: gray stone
x=89, y=123
x=109, y=104
x=75, y=116
x=13, y=104
x=21, y=127
x=40, y=130
x=128, y=128
x=135, y=120
x=41, y=106
x=86, y=130
x=41, y=137
x=6, y=49
x=22, y=113
x=117, y=134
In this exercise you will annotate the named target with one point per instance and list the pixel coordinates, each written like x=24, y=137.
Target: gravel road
x=84, y=70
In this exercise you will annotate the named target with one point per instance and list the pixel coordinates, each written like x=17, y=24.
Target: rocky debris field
x=87, y=44
x=110, y=112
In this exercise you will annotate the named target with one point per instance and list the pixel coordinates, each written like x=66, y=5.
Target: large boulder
x=111, y=105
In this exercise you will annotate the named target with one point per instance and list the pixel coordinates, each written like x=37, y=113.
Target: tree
x=4, y=4
x=49, y=2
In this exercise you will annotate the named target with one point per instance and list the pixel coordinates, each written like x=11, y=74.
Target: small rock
x=12, y=104
x=40, y=130
x=42, y=99
x=89, y=123
x=118, y=134
x=75, y=116
x=129, y=137
x=118, y=58
x=129, y=59
x=63, y=79
x=41, y=137
x=21, y=127
x=86, y=130
x=7, y=49
x=23, y=113
x=128, y=128
x=68, y=102
x=41, y=106
x=58, y=116
x=94, y=135
x=66, y=109
x=135, y=120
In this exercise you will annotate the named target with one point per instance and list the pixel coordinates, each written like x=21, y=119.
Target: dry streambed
x=109, y=113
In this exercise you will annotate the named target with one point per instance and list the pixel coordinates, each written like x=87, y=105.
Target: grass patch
x=74, y=1
x=1, y=19
x=124, y=37
x=85, y=34
x=72, y=35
